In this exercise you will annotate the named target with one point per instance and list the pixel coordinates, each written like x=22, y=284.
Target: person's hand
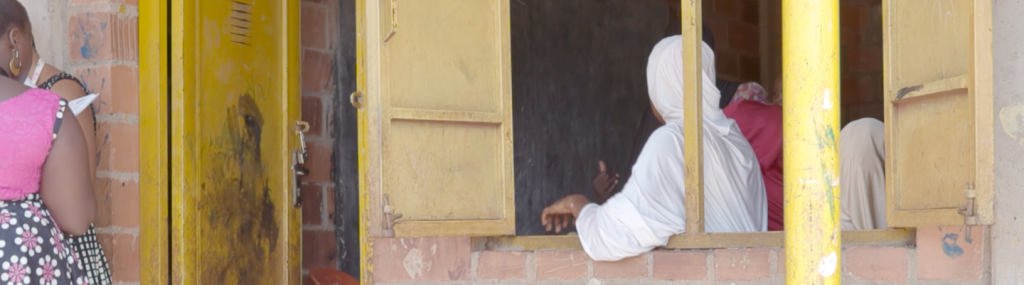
x=604, y=183
x=561, y=213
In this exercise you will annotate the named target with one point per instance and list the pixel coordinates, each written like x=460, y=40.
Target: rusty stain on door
x=240, y=212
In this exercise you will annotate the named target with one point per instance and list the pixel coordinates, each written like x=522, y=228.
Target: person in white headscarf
x=651, y=206
x=862, y=175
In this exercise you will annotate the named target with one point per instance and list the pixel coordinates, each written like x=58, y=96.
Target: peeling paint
x=828, y=265
x=949, y=246
x=1012, y=119
x=907, y=90
x=827, y=102
x=414, y=264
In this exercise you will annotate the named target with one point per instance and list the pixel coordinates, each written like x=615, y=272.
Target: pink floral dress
x=33, y=250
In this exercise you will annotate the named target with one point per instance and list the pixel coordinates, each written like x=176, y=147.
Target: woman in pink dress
x=17, y=53
x=45, y=190
x=761, y=123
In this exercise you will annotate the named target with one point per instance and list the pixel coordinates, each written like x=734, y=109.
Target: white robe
x=862, y=175
x=651, y=206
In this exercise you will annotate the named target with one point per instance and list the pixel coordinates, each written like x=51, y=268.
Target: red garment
x=762, y=126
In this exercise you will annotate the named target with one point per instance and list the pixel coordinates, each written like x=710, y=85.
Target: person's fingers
x=558, y=223
x=548, y=223
x=601, y=164
x=566, y=220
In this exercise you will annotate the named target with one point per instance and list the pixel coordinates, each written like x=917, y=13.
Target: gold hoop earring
x=15, y=70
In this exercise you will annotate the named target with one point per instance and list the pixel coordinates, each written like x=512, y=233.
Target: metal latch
x=390, y=218
x=356, y=98
x=970, y=216
x=299, y=157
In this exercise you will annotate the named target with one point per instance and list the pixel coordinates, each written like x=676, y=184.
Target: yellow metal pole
x=810, y=55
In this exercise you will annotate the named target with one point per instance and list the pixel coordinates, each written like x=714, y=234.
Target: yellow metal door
x=436, y=138
x=938, y=91
x=234, y=107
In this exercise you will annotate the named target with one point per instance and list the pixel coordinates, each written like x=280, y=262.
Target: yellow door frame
x=154, y=158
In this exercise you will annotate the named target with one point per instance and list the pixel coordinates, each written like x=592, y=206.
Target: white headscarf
x=734, y=193
x=665, y=83
x=862, y=175
x=651, y=207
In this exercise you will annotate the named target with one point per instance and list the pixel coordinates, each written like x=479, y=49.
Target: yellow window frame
x=694, y=238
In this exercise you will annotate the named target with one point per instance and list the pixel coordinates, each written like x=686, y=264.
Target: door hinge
x=970, y=217
x=968, y=210
x=390, y=218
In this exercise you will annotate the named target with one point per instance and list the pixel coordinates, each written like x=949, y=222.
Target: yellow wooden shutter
x=938, y=91
x=438, y=117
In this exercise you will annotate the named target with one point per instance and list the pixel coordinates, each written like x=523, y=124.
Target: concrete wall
x=1008, y=47
x=49, y=26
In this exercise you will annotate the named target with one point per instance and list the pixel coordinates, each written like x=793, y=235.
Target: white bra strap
x=39, y=70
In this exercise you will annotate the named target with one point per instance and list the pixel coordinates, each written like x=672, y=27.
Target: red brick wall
x=941, y=255
x=735, y=25
x=860, y=43
x=102, y=51
x=319, y=46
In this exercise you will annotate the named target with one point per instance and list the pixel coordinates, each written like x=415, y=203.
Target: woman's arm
x=66, y=187
x=70, y=90
x=561, y=213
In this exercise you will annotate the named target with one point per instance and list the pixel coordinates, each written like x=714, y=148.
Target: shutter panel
x=938, y=91
x=438, y=118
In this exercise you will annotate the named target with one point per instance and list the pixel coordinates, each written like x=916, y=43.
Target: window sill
x=894, y=237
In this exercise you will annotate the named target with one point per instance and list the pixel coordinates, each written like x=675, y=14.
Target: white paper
x=79, y=105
